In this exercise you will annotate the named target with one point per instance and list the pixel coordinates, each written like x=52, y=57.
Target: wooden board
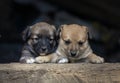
x=60, y=73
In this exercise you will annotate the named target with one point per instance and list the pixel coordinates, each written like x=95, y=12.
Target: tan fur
x=75, y=33
x=51, y=58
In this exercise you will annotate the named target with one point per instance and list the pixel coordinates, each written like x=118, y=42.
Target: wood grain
x=60, y=73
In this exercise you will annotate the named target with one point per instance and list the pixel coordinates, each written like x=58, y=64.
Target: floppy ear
x=58, y=33
x=26, y=33
x=53, y=27
x=88, y=32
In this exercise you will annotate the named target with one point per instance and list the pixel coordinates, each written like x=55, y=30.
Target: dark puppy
x=40, y=41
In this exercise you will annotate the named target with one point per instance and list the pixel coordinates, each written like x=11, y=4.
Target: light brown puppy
x=73, y=46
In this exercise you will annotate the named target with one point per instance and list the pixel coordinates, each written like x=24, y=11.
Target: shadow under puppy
x=73, y=46
x=40, y=40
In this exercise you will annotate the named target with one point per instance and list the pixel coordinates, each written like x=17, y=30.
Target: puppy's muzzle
x=44, y=49
x=40, y=49
x=73, y=53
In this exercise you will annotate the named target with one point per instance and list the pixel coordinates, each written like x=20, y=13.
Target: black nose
x=73, y=53
x=44, y=49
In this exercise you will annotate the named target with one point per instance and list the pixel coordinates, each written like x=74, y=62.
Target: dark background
x=102, y=17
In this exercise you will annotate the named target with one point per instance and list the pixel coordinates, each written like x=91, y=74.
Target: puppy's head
x=41, y=37
x=73, y=39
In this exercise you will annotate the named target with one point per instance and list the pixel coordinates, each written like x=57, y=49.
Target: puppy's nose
x=73, y=53
x=43, y=48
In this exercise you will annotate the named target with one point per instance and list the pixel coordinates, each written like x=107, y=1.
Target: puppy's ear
x=26, y=33
x=53, y=27
x=88, y=32
x=58, y=33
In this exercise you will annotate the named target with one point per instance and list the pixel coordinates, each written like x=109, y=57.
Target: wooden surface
x=60, y=73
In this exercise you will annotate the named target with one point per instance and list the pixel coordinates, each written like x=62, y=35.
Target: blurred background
x=102, y=17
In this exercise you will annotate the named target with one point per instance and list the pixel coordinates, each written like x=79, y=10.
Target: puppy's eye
x=80, y=43
x=67, y=42
x=35, y=38
x=51, y=40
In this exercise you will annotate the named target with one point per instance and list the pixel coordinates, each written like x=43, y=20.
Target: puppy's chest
x=76, y=60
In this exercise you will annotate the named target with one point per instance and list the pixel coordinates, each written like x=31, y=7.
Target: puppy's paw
x=28, y=60
x=63, y=60
x=95, y=59
x=42, y=59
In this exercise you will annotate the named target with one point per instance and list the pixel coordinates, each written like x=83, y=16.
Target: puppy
x=74, y=45
x=40, y=40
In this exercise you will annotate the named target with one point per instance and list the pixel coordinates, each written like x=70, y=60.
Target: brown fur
x=74, y=38
x=40, y=40
x=46, y=29
x=77, y=35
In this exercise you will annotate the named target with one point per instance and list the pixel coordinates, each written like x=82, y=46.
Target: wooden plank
x=60, y=73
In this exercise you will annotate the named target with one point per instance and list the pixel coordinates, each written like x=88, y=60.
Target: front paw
x=96, y=59
x=42, y=59
x=28, y=60
x=63, y=60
